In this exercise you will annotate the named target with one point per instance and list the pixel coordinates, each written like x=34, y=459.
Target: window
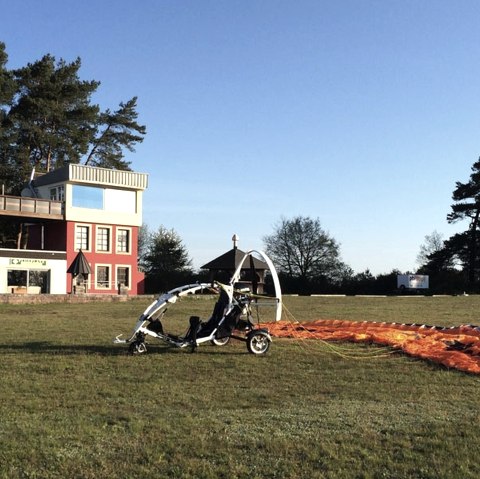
x=103, y=276
x=82, y=237
x=120, y=201
x=57, y=193
x=17, y=277
x=103, y=238
x=87, y=197
x=123, y=273
x=123, y=240
x=39, y=279
x=35, y=280
x=107, y=199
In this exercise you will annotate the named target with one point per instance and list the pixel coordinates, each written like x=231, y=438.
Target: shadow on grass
x=46, y=347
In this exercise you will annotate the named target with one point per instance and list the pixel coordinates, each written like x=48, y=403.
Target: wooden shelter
x=223, y=267
x=80, y=270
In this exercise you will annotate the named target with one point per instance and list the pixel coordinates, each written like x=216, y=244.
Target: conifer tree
x=48, y=120
x=466, y=206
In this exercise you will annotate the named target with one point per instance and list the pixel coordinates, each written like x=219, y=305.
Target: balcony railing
x=30, y=207
x=106, y=176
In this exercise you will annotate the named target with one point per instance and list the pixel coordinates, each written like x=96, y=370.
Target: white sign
x=27, y=262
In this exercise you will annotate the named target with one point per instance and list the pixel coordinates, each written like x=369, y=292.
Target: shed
x=223, y=267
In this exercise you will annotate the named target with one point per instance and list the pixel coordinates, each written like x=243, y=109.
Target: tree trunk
x=473, y=249
x=19, y=236
x=49, y=160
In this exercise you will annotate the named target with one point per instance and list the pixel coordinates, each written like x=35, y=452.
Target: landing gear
x=220, y=341
x=138, y=346
x=258, y=342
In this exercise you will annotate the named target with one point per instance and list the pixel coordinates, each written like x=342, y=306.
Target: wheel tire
x=258, y=342
x=137, y=348
x=221, y=341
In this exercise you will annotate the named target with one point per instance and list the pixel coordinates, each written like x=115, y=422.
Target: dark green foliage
x=367, y=283
x=7, y=90
x=51, y=115
x=166, y=262
x=7, y=84
x=114, y=132
x=466, y=197
x=453, y=265
x=448, y=266
x=48, y=120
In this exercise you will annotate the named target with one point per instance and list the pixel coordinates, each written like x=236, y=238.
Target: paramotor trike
x=231, y=316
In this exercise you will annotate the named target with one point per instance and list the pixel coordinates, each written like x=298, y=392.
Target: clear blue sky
x=361, y=113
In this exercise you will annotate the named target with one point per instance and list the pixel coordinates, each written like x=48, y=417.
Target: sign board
x=28, y=262
x=412, y=281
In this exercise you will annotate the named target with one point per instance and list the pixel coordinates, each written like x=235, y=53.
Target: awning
x=79, y=265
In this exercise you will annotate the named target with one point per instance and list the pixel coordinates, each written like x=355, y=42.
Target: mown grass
x=75, y=405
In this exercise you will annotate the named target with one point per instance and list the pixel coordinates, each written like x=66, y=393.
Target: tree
x=7, y=91
x=114, y=132
x=447, y=266
x=51, y=121
x=7, y=84
x=433, y=243
x=166, y=261
x=48, y=120
x=144, y=244
x=300, y=248
x=466, y=197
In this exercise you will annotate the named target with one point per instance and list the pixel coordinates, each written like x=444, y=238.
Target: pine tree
x=48, y=120
x=166, y=261
x=466, y=197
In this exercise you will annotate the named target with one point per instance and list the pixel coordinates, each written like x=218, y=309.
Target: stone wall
x=69, y=298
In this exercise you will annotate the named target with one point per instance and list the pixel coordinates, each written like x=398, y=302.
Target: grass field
x=74, y=405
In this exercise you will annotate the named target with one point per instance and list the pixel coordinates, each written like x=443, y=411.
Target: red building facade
x=102, y=213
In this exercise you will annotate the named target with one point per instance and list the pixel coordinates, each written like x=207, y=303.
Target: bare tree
x=301, y=248
x=432, y=244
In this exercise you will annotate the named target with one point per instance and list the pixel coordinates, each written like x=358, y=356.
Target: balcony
x=32, y=208
x=105, y=176
x=92, y=175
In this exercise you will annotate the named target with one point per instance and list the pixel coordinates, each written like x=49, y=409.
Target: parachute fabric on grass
x=456, y=347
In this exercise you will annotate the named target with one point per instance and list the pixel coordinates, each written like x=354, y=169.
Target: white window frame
x=109, y=228
x=89, y=239
x=97, y=285
x=57, y=193
x=123, y=228
x=129, y=268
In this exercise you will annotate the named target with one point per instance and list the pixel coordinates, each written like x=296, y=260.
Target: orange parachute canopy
x=456, y=347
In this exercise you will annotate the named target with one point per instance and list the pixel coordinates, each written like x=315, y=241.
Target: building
x=76, y=210
x=252, y=272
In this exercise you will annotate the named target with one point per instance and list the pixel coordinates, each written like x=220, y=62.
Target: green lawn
x=74, y=405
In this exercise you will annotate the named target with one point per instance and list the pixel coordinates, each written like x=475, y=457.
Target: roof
x=79, y=265
x=231, y=259
x=92, y=175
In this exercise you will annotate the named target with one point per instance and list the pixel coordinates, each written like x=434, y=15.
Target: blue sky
x=361, y=113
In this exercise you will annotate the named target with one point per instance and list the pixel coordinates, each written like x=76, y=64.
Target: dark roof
x=231, y=259
x=79, y=265
x=54, y=176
